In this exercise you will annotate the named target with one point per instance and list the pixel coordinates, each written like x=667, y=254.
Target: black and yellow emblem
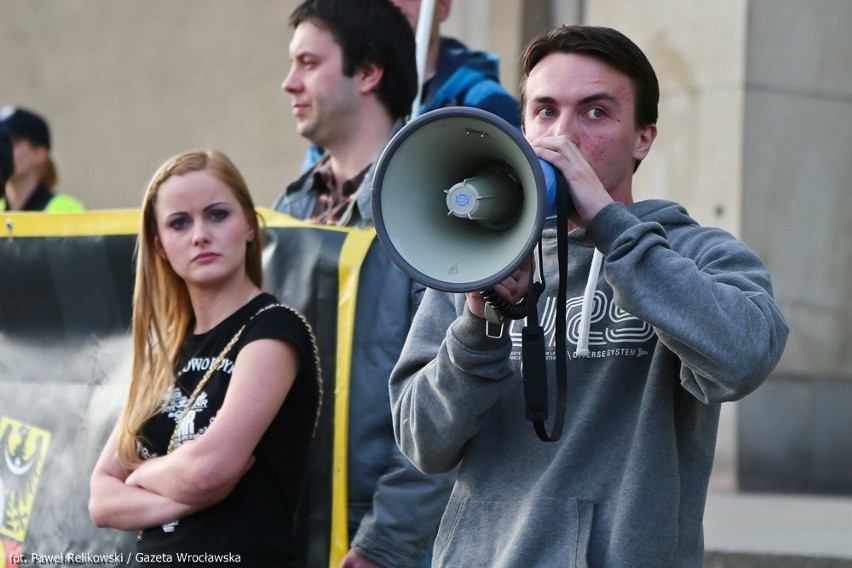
x=23, y=449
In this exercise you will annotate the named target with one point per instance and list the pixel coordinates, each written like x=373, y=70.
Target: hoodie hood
x=465, y=77
x=459, y=69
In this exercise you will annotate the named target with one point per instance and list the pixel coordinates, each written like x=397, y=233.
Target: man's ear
x=647, y=134
x=369, y=76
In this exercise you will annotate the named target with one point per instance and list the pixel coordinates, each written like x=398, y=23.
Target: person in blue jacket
x=456, y=75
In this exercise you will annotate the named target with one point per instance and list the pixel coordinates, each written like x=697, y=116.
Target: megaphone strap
x=534, y=368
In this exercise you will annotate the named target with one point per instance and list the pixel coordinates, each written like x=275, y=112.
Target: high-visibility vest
x=62, y=203
x=59, y=203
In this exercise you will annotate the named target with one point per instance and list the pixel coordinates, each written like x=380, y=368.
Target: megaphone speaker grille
x=427, y=158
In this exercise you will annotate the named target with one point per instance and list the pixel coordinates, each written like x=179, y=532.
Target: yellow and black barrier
x=66, y=285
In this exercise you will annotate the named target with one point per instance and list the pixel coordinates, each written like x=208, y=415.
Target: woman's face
x=202, y=230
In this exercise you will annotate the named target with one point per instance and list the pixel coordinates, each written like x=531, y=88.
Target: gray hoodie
x=682, y=319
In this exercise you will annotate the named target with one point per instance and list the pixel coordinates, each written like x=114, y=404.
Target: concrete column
x=797, y=176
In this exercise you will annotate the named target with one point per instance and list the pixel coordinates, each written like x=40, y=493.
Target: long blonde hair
x=162, y=312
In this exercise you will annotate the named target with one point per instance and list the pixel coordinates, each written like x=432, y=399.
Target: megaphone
x=459, y=199
x=459, y=202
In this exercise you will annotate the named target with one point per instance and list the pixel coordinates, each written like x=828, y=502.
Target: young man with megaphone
x=678, y=319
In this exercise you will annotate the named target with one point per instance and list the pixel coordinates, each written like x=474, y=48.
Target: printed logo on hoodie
x=613, y=332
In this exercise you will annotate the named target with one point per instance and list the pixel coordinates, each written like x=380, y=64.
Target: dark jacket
x=394, y=509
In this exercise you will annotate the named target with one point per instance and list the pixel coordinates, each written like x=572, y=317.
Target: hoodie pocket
x=527, y=533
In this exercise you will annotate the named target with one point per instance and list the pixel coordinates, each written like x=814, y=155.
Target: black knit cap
x=22, y=123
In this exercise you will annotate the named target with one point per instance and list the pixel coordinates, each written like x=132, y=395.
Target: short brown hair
x=608, y=45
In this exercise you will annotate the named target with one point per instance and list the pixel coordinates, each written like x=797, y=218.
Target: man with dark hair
x=352, y=81
x=680, y=319
x=453, y=74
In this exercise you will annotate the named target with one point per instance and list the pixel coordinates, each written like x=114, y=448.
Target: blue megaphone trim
x=549, y=173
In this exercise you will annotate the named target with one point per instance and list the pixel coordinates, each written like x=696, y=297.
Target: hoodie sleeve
x=444, y=384
x=708, y=296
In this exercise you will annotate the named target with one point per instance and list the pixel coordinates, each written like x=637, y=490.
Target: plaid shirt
x=333, y=204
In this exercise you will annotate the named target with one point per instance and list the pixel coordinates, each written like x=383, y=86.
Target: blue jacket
x=469, y=78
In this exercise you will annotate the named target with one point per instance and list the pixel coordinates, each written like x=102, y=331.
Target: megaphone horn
x=460, y=198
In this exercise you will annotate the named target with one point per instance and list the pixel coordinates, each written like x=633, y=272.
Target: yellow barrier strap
x=352, y=256
x=98, y=222
x=87, y=223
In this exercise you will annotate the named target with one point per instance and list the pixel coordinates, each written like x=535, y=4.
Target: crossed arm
x=203, y=472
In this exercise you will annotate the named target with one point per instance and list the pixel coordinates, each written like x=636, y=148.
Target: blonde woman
x=209, y=452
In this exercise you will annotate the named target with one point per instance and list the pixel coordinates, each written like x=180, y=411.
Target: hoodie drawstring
x=588, y=297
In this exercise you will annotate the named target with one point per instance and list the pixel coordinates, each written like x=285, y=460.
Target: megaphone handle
x=502, y=308
x=493, y=322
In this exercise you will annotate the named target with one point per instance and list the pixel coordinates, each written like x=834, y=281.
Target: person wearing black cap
x=31, y=185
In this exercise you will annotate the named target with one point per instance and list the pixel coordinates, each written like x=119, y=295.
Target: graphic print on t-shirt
x=185, y=431
x=193, y=422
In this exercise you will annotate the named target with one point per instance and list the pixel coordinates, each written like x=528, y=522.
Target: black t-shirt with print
x=255, y=521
